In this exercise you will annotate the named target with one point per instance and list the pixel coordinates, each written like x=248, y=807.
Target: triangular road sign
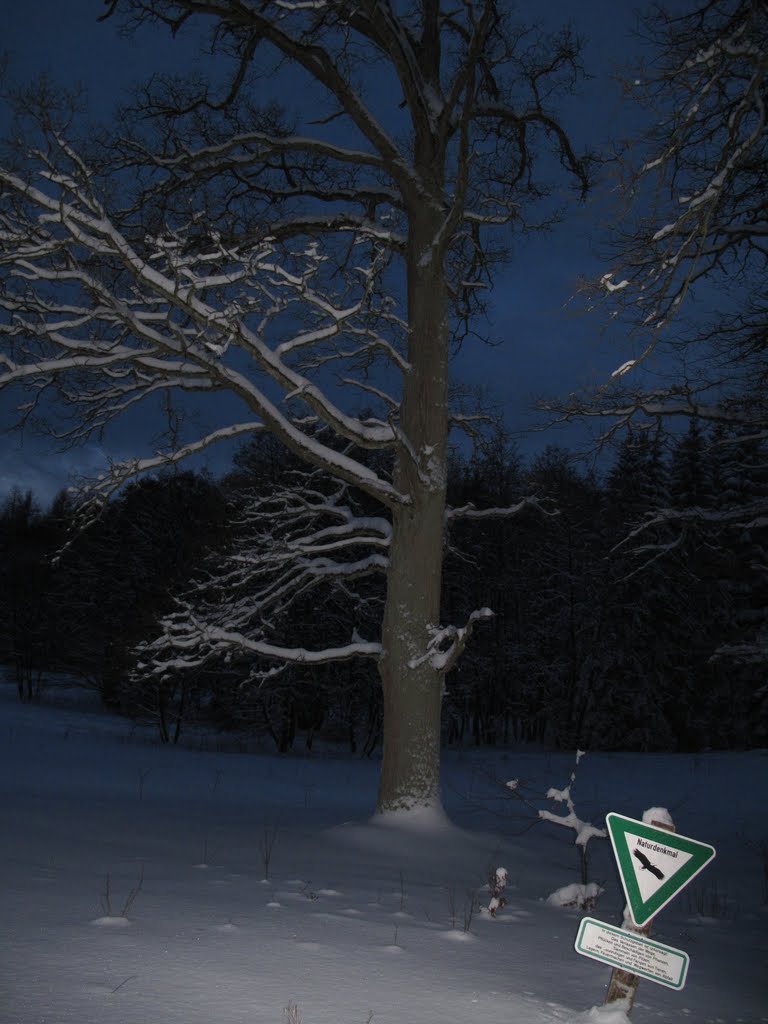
x=654, y=864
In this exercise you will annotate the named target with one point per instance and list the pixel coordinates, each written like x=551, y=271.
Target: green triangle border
x=619, y=827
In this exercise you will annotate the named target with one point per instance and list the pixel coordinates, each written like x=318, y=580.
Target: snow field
x=357, y=921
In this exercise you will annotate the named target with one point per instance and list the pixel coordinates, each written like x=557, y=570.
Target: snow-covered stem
x=497, y=883
x=584, y=830
x=530, y=503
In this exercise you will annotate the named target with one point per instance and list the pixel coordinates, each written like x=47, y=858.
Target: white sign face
x=654, y=864
x=644, y=957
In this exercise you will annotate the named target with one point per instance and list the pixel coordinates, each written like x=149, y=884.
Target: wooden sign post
x=623, y=984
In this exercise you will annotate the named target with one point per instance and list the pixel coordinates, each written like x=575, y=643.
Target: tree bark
x=412, y=686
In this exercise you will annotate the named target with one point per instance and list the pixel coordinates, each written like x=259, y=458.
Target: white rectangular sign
x=634, y=953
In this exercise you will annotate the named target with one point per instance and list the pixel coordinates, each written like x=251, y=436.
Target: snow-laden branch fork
x=190, y=644
x=446, y=643
x=303, y=541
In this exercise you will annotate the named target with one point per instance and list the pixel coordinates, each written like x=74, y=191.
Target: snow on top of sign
x=658, y=816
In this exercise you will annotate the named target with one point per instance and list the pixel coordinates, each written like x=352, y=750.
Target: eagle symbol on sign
x=646, y=864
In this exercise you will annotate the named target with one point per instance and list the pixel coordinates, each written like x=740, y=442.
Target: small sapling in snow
x=451, y=890
x=403, y=892
x=760, y=847
x=106, y=899
x=585, y=894
x=308, y=892
x=470, y=904
x=292, y=1014
x=497, y=883
x=267, y=845
x=203, y=864
x=467, y=911
x=143, y=773
x=462, y=916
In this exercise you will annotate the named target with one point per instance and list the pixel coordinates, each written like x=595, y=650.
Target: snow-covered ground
x=350, y=921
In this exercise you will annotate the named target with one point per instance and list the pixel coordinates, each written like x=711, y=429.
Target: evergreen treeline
x=621, y=618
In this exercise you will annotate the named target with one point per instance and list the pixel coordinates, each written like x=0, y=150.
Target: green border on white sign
x=619, y=829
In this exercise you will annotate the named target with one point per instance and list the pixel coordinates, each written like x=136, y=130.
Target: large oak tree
x=308, y=260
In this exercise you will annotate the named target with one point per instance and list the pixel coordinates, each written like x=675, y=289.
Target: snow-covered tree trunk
x=412, y=684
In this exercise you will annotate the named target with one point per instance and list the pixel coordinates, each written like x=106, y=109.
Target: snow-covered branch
x=753, y=652
x=530, y=503
x=302, y=541
x=446, y=643
x=749, y=516
x=735, y=404
x=583, y=829
x=182, y=307
x=189, y=644
x=701, y=180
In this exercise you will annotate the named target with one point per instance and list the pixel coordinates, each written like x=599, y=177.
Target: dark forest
x=627, y=607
